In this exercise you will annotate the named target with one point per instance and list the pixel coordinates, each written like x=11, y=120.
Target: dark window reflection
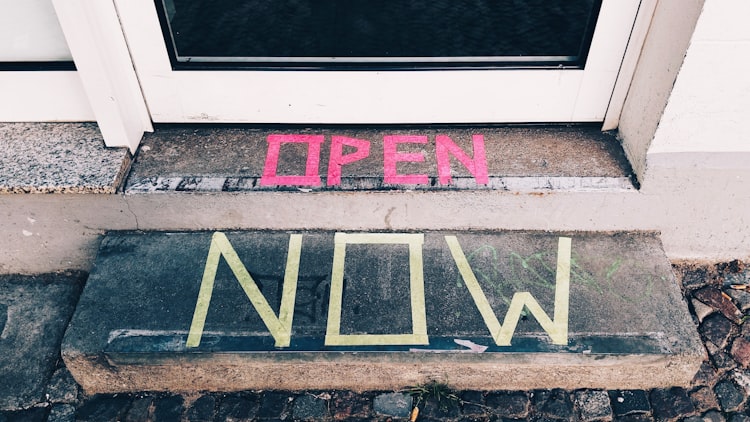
x=542, y=32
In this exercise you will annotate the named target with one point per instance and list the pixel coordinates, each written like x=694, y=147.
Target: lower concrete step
x=229, y=311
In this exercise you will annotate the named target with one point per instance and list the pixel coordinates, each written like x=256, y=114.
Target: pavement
x=47, y=392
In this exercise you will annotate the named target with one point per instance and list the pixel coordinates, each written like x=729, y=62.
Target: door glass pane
x=407, y=33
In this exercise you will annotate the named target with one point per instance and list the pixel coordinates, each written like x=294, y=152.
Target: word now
x=444, y=149
x=280, y=326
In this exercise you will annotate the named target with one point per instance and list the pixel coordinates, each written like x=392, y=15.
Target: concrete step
x=245, y=159
x=221, y=311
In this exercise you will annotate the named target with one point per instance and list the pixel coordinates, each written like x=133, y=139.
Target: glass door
x=394, y=61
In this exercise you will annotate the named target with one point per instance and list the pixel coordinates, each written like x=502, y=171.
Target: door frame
x=372, y=96
x=141, y=77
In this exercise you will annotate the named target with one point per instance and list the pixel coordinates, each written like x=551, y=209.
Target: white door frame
x=331, y=96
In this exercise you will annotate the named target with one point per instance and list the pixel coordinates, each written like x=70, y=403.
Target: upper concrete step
x=313, y=310
x=236, y=159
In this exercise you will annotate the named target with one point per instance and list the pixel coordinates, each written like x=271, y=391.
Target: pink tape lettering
x=312, y=175
x=338, y=159
x=391, y=156
x=476, y=166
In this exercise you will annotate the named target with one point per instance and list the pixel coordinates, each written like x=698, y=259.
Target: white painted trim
x=96, y=42
x=376, y=97
x=627, y=70
x=52, y=96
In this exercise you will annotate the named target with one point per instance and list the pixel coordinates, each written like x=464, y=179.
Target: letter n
x=502, y=334
x=476, y=166
x=281, y=327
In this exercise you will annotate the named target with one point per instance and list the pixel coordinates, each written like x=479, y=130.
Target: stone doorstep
x=179, y=158
x=173, y=312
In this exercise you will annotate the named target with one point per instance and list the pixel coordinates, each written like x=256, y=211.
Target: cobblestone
x=62, y=413
x=704, y=399
x=168, y=409
x=555, y=404
x=593, y=405
x=393, y=404
x=473, y=403
x=237, y=407
x=719, y=391
x=508, y=404
x=730, y=396
x=202, y=409
x=307, y=407
x=716, y=329
x=140, y=409
x=672, y=403
x=720, y=301
x=629, y=402
x=62, y=387
x=741, y=351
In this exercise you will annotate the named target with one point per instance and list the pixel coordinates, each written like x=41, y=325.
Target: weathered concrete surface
x=234, y=159
x=34, y=311
x=628, y=325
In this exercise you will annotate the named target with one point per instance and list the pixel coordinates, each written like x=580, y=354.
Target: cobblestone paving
x=719, y=392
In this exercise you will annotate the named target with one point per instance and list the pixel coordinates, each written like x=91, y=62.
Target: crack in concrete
x=135, y=216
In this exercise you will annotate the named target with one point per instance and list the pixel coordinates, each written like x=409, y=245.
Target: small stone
x=140, y=410
x=593, y=405
x=62, y=413
x=713, y=297
x=472, y=402
x=202, y=410
x=693, y=419
x=741, y=351
x=555, y=403
x=508, y=404
x=671, y=403
x=393, y=404
x=713, y=416
x=716, y=329
x=237, y=408
x=741, y=298
x=628, y=402
x=704, y=399
x=738, y=278
x=347, y=404
x=729, y=395
x=742, y=379
x=439, y=410
x=103, y=408
x=739, y=417
x=309, y=408
x=273, y=405
x=168, y=409
x=721, y=360
x=701, y=309
x=62, y=388
x=694, y=278
x=706, y=375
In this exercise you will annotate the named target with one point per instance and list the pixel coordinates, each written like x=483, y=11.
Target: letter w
x=502, y=334
x=281, y=327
